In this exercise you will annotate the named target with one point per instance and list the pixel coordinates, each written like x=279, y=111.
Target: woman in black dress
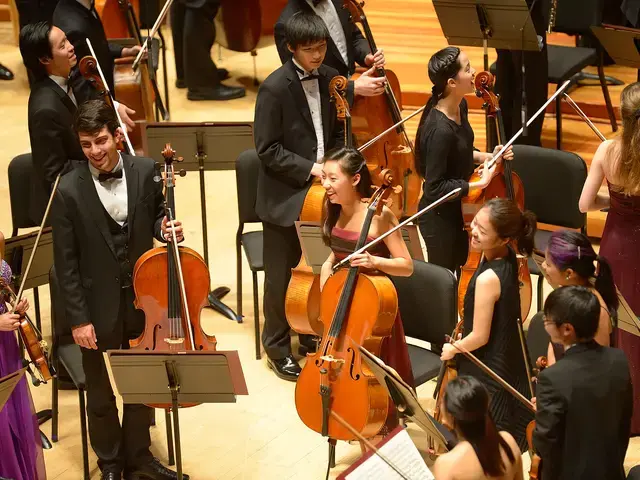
x=445, y=157
x=492, y=310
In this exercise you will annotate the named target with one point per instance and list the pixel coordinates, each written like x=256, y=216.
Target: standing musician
x=295, y=123
x=584, y=402
x=345, y=45
x=21, y=456
x=105, y=215
x=492, y=310
x=49, y=56
x=571, y=260
x=79, y=20
x=194, y=33
x=445, y=157
x=482, y=452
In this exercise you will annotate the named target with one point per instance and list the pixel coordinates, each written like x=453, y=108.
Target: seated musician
x=584, y=402
x=492, y=312
x=105, y=215
x=21, y=456
x=347, y=181
x=482, y=451
x=295, y=123
x=49, y=57
x=445, y=157
x=571, y=260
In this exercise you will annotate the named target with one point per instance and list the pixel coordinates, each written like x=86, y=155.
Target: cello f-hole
x=352, y=364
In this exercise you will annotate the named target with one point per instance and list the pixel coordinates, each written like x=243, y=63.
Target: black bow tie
x=103, y=177
x=307, y=76
x=310, y=77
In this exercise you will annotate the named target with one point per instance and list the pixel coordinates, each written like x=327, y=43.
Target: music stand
x=203, y=146
x=142, y=377
x=8, y=384
x=621, y=43
x=17, y=252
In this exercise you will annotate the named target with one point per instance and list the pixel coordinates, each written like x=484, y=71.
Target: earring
x=567, y=277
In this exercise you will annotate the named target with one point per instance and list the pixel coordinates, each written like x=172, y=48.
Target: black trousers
x=446, y=239
x=117, y=446
x=281, y=253
x=193, y=34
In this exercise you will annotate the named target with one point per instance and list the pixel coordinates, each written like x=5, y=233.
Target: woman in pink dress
x=618, y=162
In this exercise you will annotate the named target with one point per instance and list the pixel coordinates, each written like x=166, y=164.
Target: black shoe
x=286, y=368
x=5, y=73
x=110, y=476
x=221, y=92
x=153, y=470
x=223, y=74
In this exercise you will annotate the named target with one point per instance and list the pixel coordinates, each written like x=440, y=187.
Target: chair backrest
x=553, y=182
x=428, y=302
x=576, y=17
x=537, y=338
x=20, y=174
x=247, y=167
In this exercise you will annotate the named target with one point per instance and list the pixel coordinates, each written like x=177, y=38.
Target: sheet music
x=401, y=451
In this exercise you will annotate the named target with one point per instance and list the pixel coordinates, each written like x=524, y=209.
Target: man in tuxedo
x=295, y=124
x=79, y=20
x=584, y=401
x=49, y=56
x=105, y=215
x=345, y=46
x=194, y=33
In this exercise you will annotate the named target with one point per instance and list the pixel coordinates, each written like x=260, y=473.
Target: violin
x=506, y=184
x=171, y=286
x=373, y=115
x=356, y=309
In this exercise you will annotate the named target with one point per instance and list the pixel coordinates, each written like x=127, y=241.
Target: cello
x=506, y=184
x=171, y=286
x=373, y=115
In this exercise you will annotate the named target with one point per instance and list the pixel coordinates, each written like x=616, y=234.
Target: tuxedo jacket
x=54, y=142
x=84, y=253
x=78, y=24
x=357, y=45
x=286, y=141
x=583, y=418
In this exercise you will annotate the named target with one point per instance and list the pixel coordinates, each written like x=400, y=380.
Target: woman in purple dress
x=21, y=455
x=618, y=161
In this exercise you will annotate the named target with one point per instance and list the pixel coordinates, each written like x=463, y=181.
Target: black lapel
x=325, y=100
x=131, y=172
x=93, y=203
x=66, y=100
x=295, y=87
x=345, y=21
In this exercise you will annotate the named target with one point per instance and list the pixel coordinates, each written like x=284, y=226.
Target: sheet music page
x=399, y=450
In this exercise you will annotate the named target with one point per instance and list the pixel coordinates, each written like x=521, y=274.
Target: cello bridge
x=331, y=359
x=173, y=341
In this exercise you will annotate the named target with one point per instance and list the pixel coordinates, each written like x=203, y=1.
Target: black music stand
x=203, y=146
x=188, y=377
x=621, y=43
x=8, y=384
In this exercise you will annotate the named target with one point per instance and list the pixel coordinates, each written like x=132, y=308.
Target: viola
x=373, y=115
x=506, y=184
x=356, y=309
x=171, y=286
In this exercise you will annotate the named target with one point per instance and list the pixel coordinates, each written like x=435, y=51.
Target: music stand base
x=610, y=81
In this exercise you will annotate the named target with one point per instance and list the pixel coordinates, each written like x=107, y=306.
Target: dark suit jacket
x=53, y=140
x=78, y=24
x=286, y=141
x=583, y=421
x=84, y=254
x=357, y=45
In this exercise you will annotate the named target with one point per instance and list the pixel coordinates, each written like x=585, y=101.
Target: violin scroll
x=484, y=82
x=337, y=89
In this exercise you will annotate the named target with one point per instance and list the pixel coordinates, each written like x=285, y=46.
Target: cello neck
x=508, y=170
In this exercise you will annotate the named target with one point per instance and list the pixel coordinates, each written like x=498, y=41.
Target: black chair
x=634, y=473
x=537, y=338
x=247, y=166
x=577, y=18
x=428, y=307
x=553, y=182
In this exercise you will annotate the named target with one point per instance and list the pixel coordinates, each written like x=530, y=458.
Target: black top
x=446, y=157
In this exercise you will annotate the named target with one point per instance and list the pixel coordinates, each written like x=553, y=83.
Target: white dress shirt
x=64, y=85
x=326, y=10
x=312, y=92
x=113, y=192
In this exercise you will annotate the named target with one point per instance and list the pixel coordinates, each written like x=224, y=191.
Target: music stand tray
x=8, y=384
x=18, y=249
x=176, y=378
x=621, y=43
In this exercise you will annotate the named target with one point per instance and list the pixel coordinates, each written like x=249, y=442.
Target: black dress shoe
x=110, y=476
x=286, y=368
x=153, y=470
x=5, y=73
x=220, y=92
x=223, y=74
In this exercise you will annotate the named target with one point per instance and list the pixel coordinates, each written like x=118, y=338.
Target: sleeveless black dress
x=503, y=351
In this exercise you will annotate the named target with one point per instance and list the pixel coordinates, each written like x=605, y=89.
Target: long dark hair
x=569, y=249
x=509, y=222
x=443, y=65
x=627, y=173
x=467, y=401
x=351, y=162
